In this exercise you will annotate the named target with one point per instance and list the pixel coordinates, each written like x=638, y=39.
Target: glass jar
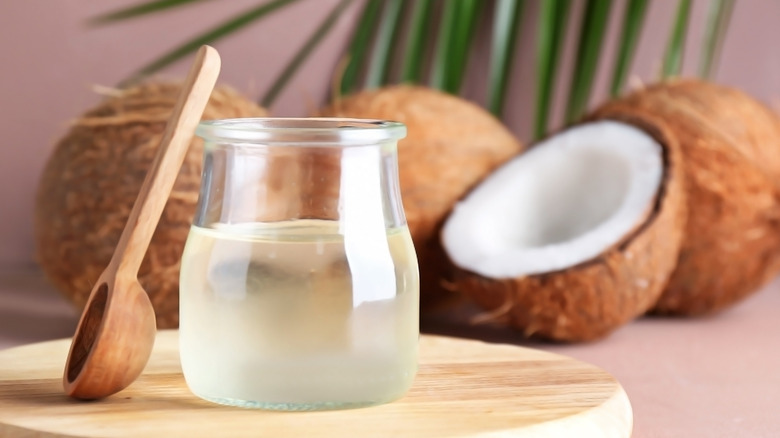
x=299, y=283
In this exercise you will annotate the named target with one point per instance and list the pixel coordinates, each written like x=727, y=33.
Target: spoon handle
x=162, y=174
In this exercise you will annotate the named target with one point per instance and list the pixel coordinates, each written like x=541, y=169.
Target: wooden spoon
x=116, y=332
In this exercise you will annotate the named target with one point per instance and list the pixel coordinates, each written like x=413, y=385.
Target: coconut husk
x=90, y=183
x=731, y=148
x=451, y=145
x=590, y=300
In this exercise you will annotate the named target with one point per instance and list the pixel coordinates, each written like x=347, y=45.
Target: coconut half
x=575, y=237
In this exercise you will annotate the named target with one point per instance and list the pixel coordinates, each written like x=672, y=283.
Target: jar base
x=294, y=407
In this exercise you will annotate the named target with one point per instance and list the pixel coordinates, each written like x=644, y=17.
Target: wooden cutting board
x=464, y=389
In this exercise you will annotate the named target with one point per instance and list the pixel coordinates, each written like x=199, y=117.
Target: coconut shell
x=590, y=300
x=90, y=183
x=731, y=148
x=451, y=145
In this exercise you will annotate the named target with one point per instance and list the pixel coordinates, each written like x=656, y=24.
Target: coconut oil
x=298, y=315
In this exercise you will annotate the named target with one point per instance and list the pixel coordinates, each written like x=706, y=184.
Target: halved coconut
x=575, y=237
x=731, y=148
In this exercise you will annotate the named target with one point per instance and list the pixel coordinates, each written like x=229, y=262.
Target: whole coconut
x=90, y=183
x=450, y=146
x=731, y=148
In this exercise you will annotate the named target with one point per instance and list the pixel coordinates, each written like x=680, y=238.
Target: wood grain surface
x=464, y=389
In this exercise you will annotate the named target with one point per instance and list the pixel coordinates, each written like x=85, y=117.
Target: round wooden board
x=464, y=389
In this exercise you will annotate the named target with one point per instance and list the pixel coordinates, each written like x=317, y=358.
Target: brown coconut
x=590, y=300
x=90, y=183
x=731, y=148
x=451, y=144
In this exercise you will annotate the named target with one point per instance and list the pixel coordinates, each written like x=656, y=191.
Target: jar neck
x=245, y=183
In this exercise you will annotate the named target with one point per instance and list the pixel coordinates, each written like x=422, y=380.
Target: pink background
x=705, y=377
x=51, y=59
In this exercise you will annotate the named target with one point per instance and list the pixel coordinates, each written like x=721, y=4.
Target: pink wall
x=51, y=59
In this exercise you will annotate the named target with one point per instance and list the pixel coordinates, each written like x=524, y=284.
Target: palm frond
x=388, y=32
x=466, y=23
x=447, y=29
x=416, y=38
x=209, y=37
x=676, y=45
x=506, y=24
x=313, y=41
x=358, y=47
x=717, y=25
x=142, y=9
x=594, y=23
x=551, y=33
x=442, y=57
x=633, y=21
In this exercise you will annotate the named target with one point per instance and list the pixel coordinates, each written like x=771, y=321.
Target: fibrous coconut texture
x=731, y=148
x=451, y=144
x=577, y=236
x=90, y=183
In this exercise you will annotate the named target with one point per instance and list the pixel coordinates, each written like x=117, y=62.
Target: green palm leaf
x=456, y=30
x=208, y=37
x=465, y=25
x=139, y=10
x=553, y=15
x=594, y=22
x=629, y=36
x=717, y=26
x=382, y=53
x=674, y=49
x=359, y=45
x=443, y=55
x=506, y=19
x=302, y=54
x=451, y=42
x=415, y=41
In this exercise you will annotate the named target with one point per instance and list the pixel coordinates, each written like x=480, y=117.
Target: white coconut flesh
x=564, y=202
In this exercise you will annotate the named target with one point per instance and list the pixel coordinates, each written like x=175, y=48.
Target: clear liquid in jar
x=296, y=315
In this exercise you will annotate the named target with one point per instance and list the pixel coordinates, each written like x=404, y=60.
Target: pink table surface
x=707, y=377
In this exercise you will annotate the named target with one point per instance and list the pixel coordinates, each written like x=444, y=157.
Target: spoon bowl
x=116, y=329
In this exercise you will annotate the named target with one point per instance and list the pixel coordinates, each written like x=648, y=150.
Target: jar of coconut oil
x=299, y=282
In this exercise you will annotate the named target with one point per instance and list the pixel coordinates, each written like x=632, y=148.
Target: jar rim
x=302, y=130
